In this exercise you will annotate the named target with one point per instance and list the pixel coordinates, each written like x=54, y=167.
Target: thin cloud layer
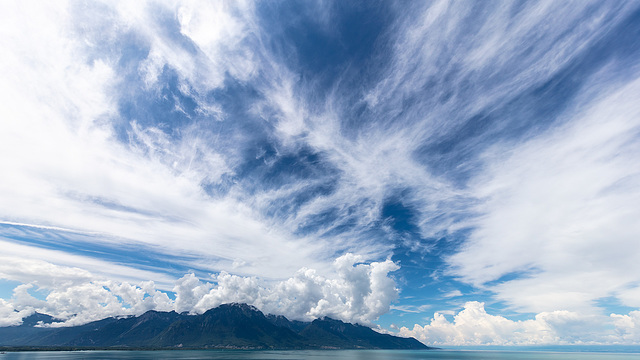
x=560, y=209
x=49, y=269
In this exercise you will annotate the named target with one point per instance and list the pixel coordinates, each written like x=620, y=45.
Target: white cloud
x=219, y=32
x=96, y=300
x=627, y=326
x=369, y=170
x=474, y=326
x=492, y=54
x=290, y=112
x=453, y=293
x=411, y=308
x=65, y=167
x=355, y=292
x=50, y=269
x=450, y=64
x=381, y=156
x=189, y=290
x=74, y=295
x=9, y=316
x=560, y=211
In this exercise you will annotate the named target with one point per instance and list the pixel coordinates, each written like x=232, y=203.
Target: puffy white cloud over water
x=356, y=292
x=474, y=326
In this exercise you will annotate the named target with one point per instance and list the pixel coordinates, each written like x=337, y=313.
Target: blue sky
x=465, y=173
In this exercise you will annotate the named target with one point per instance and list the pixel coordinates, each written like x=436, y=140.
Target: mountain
x=229, y=325
x=132, y=331
x=28, y=335
x=21, y=334
x=330, y=333
x=238, y=326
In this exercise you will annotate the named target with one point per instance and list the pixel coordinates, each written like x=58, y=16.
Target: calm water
x=319, y=355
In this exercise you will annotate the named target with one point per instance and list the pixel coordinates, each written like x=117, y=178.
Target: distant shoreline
x=212, y=348
x=611, y=349
x=623, y=349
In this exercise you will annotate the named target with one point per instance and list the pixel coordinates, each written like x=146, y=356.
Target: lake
x=320, y=355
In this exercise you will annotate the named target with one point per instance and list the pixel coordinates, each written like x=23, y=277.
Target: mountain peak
x=243, y=306
x=238, y=309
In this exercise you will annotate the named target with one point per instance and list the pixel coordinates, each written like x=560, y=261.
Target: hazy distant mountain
x=227, y=326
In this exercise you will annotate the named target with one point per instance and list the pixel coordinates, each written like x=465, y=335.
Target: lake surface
x=319, y=355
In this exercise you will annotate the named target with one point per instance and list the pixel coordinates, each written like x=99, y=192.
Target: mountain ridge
x=229, y=326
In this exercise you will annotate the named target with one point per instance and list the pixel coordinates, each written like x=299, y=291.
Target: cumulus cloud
x=73, y=294
x=9, y=316
x=97, y=300
x=627, y=326
x=356, y=292
x=474, y=326
x=83, y=302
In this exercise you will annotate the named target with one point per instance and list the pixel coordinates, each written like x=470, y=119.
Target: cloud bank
x=357, y=292
x=474, y=326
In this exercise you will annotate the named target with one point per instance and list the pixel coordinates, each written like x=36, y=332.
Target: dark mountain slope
x=132, y=331
x=294, y=325
x=12, y=335
x=28, y=335
x=328, y=332
x=229, y=325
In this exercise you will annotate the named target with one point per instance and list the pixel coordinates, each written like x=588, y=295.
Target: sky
x=466, y=173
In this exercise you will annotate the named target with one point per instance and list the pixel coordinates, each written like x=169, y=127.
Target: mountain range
x=233, y=326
